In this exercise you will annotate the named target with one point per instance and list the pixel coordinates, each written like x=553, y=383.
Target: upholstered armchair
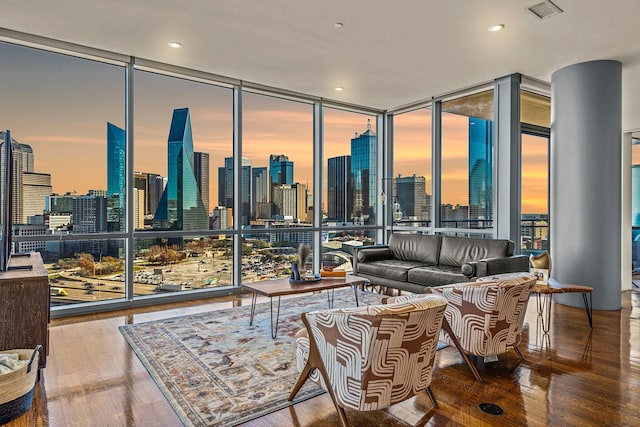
x=370, y=358
x=485, y=318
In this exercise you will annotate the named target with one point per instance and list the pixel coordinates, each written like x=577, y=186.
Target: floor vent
x=544, y=10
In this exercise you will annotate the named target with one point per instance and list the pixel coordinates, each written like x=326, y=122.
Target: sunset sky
x=61, y=105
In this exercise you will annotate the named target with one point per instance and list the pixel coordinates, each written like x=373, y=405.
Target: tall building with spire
x=181, y=207
x=363, y=171
x=116, y=176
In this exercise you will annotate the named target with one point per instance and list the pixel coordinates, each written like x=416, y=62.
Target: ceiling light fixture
x=338, y=25
x=496, y=27
x=175, y=44
x=339, y=89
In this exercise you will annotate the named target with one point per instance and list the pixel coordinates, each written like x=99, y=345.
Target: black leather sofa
x=411, y=262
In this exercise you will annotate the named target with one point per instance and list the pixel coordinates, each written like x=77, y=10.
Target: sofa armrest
x=512, y=264
x=370, y=253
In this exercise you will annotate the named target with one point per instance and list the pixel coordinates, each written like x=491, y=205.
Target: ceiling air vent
x=544, y=10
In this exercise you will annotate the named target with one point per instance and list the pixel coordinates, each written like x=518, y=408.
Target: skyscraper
x=201, y=170
x=480, y=170
x=339, y=189
x=181, y=207
x=411, y=197
x=153, y=186
x=280, y=169
x=363, y=170
x=116, y=176
x=259, y=188
x=225, y=175
x=28, y=189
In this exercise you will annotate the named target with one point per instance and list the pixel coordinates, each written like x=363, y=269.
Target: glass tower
x=339, y=189
x=180, y=207
x=480, y=171
x=280, y=169
x=363, y=171
x=411, y=197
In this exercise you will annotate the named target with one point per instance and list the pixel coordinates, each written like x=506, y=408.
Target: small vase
x=295, y=273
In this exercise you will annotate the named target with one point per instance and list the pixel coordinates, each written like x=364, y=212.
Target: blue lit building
x=480, y=171
x=181, y=207
x=280, y=169
x=339, y=189
x=363, y=171
x=116, y=176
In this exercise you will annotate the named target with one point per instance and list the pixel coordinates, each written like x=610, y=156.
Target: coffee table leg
x=588, y=307
x=253, y=308
x=544, y=311
x=274, y=330
x=355, y=292
x=330, y=298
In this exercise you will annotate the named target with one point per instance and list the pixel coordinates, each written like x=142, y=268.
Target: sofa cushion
x=416, y=247
x=456, y=251
x=436, y=275
x=394, y=269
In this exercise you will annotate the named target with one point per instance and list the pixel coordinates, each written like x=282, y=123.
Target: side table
x=544, y=294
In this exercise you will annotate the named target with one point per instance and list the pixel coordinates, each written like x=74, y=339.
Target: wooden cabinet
x=24, y=305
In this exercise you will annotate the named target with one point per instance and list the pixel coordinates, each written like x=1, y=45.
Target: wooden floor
x=575, y=377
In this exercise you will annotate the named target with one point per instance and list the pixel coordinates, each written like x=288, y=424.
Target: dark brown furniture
x=24, y=305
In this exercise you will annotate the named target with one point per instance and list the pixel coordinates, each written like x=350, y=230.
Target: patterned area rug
x=216, y=370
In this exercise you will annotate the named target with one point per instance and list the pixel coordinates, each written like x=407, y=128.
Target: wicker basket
x=16, y=387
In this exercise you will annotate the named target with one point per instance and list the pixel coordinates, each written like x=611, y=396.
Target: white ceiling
x=389, y=53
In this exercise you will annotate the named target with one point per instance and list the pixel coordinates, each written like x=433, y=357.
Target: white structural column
x=585, y=180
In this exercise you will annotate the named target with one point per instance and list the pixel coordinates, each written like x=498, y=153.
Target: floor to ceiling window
x=635, y=201
x=66, y=116
x=277, y=184
x=535, y=117
x=467, y=162
x=183, y=129
x=411, y=182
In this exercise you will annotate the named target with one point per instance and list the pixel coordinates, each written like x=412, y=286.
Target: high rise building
x=153, y=186
x=28, y=189
x=363, y=170
x=411, y=197
x=280, y=169
x=181, y=207
x=225, y=174
x=260, y=190
x=116, y=167
x=339, y=189
x=480, y=171
x=284, y=201
x=301, y=201
x=35, y=189
x=201, y=170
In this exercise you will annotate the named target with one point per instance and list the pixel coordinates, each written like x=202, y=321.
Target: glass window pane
x=277, y=162
x=66, y=117
x=351, y=187
x=467, y=161
x=635, y=201
x=181, y=128
x=270, y=255
x=535, y=194
x=167, y=265
x=411, y=202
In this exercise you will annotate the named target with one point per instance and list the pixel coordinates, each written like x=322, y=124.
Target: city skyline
x=270, y=125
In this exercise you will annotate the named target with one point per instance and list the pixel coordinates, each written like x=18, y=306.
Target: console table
x=544, y=294
x=24, y=305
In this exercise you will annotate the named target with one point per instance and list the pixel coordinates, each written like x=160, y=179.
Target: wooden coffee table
x=281, y=287
x=544, y=294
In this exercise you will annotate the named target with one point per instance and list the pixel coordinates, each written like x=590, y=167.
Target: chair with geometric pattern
x=485, y=318
x=371, y=357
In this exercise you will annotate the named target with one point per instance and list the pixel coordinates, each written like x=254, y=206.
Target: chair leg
x=517, y=350
x=306, y=371
x=432, y=397
x=470, y=364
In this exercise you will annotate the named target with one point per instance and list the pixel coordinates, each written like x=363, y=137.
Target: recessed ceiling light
x=339, y=89
x=175, y=44
x=495, y=28
x=338, y=25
